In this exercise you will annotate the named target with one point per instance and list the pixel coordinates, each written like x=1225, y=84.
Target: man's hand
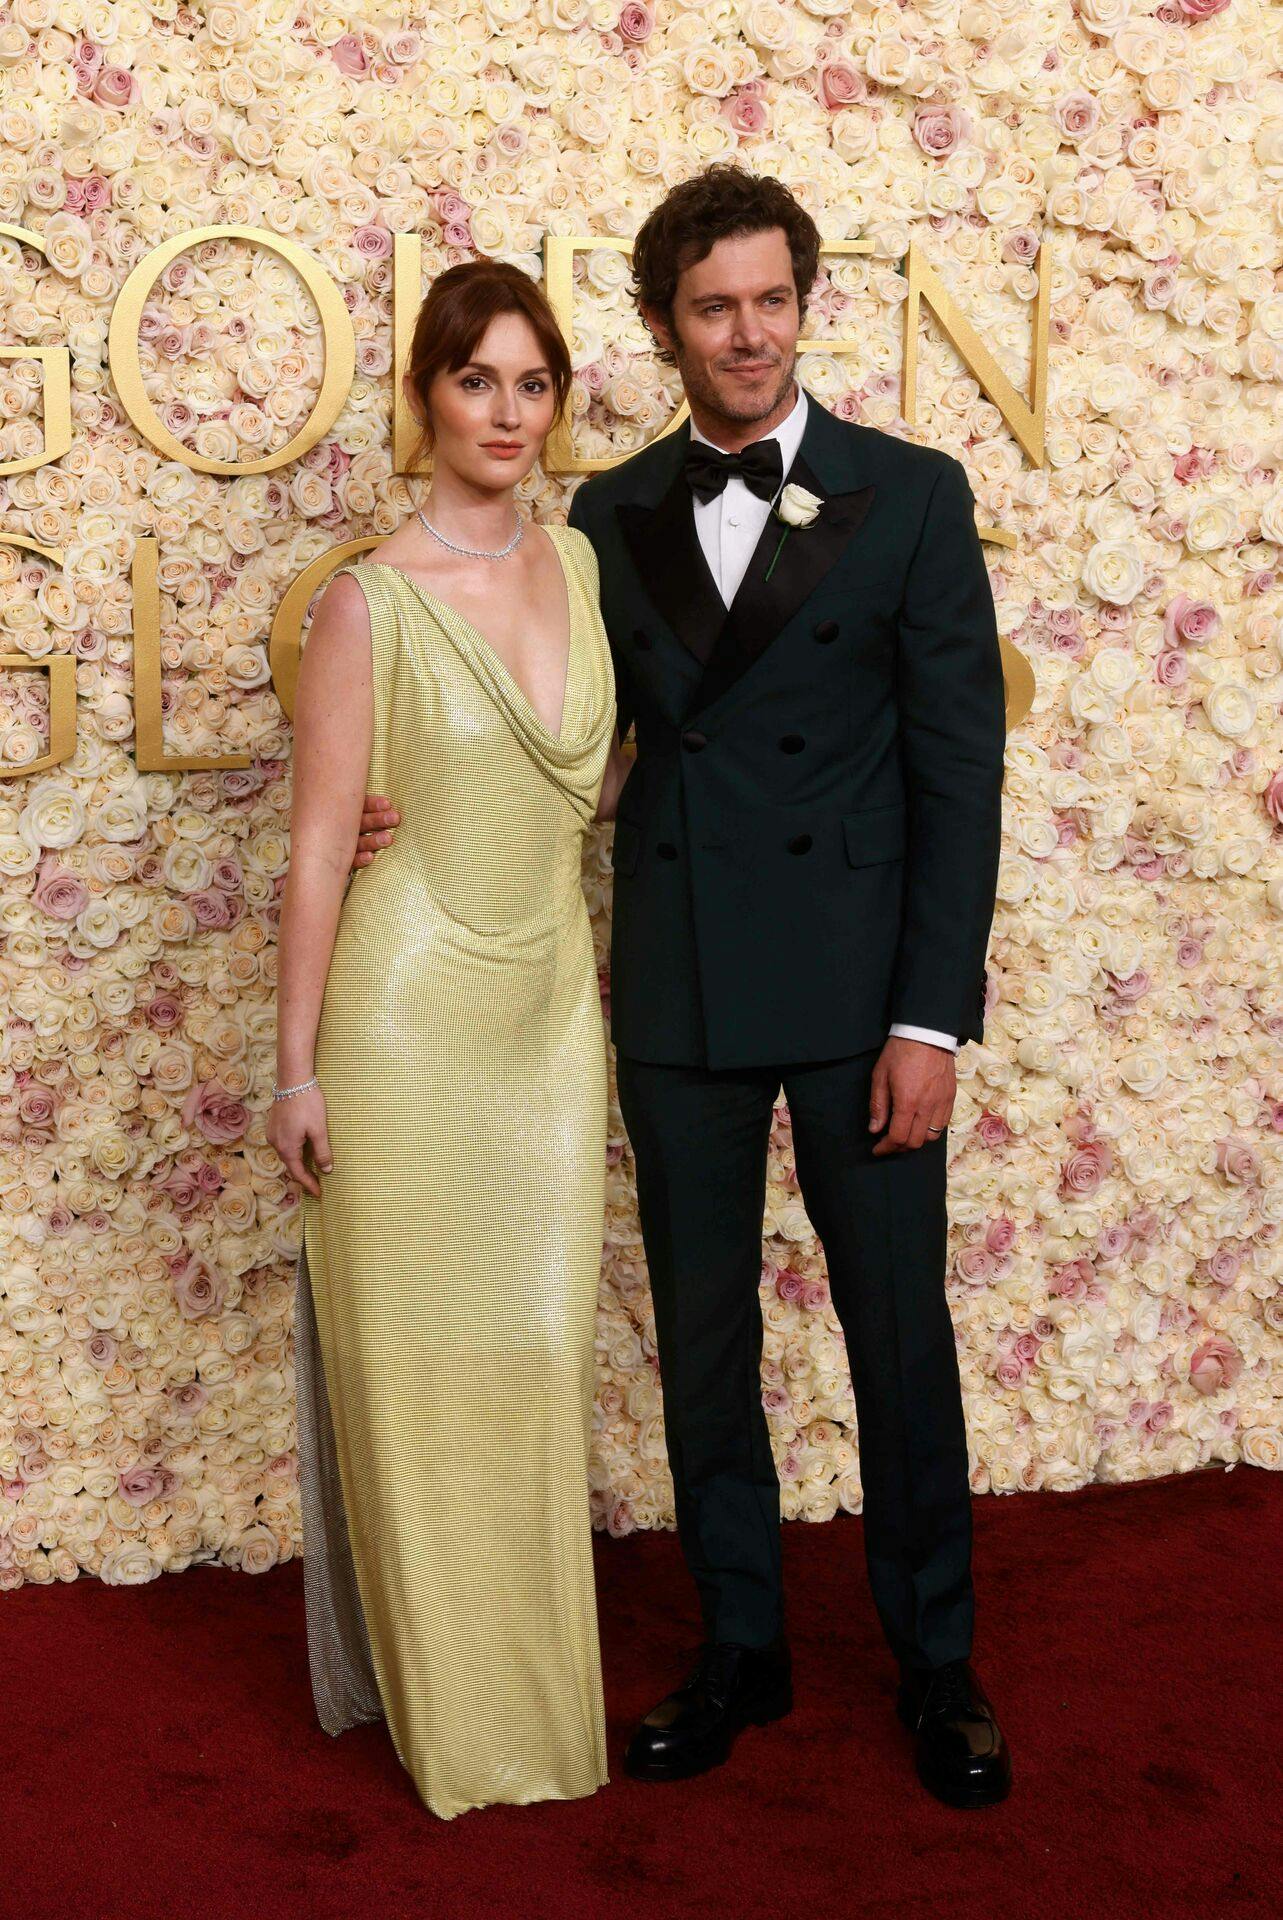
x=378, y=815
x=916, y=1083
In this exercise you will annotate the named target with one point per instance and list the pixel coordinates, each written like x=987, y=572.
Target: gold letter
x=1026, y=418
x=55, y=382
x=61, y=668
x=286, y=644
x=122, y=353
x=149, y=740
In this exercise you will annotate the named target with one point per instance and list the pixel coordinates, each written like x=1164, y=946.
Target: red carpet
x=164, y=1759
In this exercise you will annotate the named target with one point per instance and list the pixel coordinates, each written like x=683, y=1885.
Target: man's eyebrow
x=700, y=297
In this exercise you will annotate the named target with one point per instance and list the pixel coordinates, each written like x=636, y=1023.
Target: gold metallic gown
x=448, y=1276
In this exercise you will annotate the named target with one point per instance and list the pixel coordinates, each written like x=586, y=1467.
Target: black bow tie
x=760, y=466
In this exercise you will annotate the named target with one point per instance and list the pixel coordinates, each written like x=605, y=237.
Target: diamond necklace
x=475, y=553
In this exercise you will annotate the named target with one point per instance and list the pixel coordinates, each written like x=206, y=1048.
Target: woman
x=441, y=1056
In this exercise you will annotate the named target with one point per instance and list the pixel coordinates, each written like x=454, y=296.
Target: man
x=806, y=857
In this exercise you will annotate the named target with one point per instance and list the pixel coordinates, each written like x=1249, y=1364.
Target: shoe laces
x=715, y=1668
x=950, y=1690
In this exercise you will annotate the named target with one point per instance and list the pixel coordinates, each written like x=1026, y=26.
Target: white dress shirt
x=729, y=527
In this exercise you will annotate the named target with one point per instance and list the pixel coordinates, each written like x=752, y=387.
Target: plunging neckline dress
x=448, y=1276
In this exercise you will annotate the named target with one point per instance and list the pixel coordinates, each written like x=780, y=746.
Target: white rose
x=1213, y=523
x=1230, y=708
x=128, y=1565
x=1113, y=571
x=1143, y=1070
x=1263, y=1447
x=797, y=507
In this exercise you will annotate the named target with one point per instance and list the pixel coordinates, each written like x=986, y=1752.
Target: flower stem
x=775, y=556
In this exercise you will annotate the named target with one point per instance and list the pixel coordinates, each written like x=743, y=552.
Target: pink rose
x=1073, y=1280
x=1189, y=622
x=841, y=83
x=59, y=893
x=619, y=1519
x=1189, y=952
x=1076, y=115
x=1201, y=9
x=789, y=1285
x=189, y=1398
x=1158, y=288
x=939, y=131
x=164, y=1011
x=1194, y=465
x=993, y=1130
x=181, y=1189
x=140, y=1485
x=114, y=87
x=1010, y=1372
x=349, y=56
x=37, y=1106
x=1113, y=1240
x=372, y=242
x=198, y=1289
x=1237, y=1161
x=210, y=1107
x=100, y=1351
x=1273, y=797
x=746, y=111
x=1084, y=1170
x=1000, y=1235
x=1216, y=1364
x=1021, y=245
x=636, y=22
x=1224, y=1265
x=212, y=908
x=975, y=1264
x=1171, y=669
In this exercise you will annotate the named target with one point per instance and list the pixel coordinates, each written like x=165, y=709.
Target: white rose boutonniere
x=796, y=507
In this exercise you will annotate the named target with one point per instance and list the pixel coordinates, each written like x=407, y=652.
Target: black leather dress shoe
x=695, y=1728
x=961, y=1754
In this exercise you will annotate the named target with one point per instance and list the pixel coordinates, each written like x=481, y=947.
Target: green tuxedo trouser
x=700, y=1138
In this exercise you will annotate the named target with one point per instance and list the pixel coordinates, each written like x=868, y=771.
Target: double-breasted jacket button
x=826, y=631
x=693, y=740
x=641, y=641
x=800, y=843
x=792, y=743
x=666, y=850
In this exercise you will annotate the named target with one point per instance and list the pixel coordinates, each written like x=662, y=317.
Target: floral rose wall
x=1116, y=1200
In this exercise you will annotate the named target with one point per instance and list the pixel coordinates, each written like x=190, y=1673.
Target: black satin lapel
x=762, y=608
x=666, y=552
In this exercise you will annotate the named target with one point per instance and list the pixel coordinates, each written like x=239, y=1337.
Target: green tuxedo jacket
x=807, y=846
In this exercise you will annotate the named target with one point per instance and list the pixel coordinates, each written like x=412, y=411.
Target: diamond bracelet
x=283, y=1093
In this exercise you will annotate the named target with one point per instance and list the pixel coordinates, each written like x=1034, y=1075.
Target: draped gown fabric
x=447, y=1283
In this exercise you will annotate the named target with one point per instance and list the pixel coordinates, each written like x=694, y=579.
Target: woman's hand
x=290, y=1125
x=618, y=768
x=377, y=816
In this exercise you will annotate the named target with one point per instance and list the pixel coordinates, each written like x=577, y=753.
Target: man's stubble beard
x=708, y=397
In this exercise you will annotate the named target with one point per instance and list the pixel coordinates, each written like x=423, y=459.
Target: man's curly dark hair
x=721, y=200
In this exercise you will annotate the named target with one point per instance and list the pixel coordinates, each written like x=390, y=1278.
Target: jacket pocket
x=626, y=849
x=875, y=833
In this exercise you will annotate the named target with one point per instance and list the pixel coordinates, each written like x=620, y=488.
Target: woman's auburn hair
x=451, y=323
x=721, y=200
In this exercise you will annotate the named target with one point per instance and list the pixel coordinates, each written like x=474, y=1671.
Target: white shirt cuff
x=929, y=1034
